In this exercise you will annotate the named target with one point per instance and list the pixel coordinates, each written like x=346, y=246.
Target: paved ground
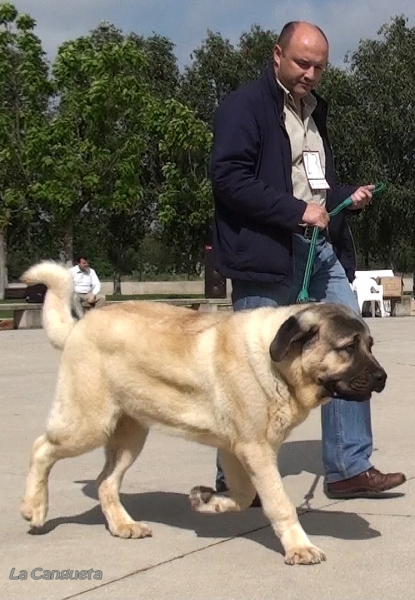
x=370, y=543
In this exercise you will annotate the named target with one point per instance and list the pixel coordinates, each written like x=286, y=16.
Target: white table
x=375, y=274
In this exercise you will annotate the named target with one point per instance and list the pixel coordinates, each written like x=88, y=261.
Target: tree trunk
x=117, y=282
x=3, y=269
x=66, y=254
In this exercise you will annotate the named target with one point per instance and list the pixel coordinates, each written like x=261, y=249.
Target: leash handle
x=303, y=295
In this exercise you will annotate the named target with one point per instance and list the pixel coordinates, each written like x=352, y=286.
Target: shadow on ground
x=173, y=509
x=295, y=457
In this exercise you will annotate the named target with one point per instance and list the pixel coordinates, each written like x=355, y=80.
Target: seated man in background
x=86, y=287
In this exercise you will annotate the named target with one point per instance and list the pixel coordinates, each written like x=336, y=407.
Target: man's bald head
x=288, y=30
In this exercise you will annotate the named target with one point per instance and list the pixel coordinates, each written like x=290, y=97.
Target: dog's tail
x=57, y=317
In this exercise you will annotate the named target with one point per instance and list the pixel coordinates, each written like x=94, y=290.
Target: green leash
x=303, y=295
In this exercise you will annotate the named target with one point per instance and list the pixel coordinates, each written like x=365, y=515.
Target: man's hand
x=91, y=298
x=362, y=197
x=315, y=214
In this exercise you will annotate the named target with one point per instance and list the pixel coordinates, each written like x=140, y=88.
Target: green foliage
x=95, y=145
x=185, y=206
x=95, y=137
x=211, y=76
x=372, y=122
x=161, y=70
x=256, y=49
x=24, y=90
x=108, y=151
x=218, y=68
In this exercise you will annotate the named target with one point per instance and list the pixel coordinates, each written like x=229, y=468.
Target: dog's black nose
x=380, y=377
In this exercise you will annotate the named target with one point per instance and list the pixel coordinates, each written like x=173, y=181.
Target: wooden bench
x=201, y=304
x=29, y=316
x=15, y=293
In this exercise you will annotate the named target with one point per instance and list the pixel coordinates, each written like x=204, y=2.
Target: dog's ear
x=292, y=330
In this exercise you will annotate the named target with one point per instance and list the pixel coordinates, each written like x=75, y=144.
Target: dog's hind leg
x=82, y=419
x=122, y=449
x=240, y=495
x=47, y=450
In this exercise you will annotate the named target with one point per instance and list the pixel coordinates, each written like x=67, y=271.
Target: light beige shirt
x=304, y=135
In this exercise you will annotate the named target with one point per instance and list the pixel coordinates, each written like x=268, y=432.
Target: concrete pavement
x=369, y=543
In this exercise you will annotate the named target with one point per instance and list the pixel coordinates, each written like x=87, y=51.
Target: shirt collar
x=309, y=101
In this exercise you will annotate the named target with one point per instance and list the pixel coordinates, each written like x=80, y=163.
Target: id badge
x=314, y=170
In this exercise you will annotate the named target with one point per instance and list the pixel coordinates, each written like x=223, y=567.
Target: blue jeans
x=346, y=425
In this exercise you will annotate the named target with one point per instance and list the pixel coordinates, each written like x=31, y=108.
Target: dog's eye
x=349, y=349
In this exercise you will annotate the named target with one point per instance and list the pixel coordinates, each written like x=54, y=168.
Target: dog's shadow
x=173, y=509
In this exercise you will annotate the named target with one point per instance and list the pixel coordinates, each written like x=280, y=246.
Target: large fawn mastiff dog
x=238, y=381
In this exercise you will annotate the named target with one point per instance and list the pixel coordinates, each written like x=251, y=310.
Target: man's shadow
x=173, y=509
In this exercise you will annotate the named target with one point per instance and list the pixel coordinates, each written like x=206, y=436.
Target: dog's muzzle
x=359, y=388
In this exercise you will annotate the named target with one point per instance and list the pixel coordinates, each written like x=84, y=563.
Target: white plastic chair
x=367, y=290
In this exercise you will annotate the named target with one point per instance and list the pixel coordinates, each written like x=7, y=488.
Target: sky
x=186, y=22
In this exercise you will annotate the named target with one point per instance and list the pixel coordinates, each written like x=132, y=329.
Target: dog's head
x=330, y=347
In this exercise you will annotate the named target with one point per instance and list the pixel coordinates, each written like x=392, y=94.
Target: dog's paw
x=206, y=500
x=34, y=512
x=304, y=555
x=131, y=530
x=201, y=496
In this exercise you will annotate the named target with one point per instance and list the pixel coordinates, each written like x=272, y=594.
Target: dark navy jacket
x=255, y=210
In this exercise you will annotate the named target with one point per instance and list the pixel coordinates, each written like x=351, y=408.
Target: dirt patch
x=6, y=324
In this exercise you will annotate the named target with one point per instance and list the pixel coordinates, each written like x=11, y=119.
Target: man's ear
x=290, y=331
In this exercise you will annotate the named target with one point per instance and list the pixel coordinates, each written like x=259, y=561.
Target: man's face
x=83, y=264
x=300, y=65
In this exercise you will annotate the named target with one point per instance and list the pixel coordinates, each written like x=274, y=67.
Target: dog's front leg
x=260, y=463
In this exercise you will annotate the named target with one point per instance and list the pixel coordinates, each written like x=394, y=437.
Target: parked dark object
x=35, y=294
x=215, y=284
